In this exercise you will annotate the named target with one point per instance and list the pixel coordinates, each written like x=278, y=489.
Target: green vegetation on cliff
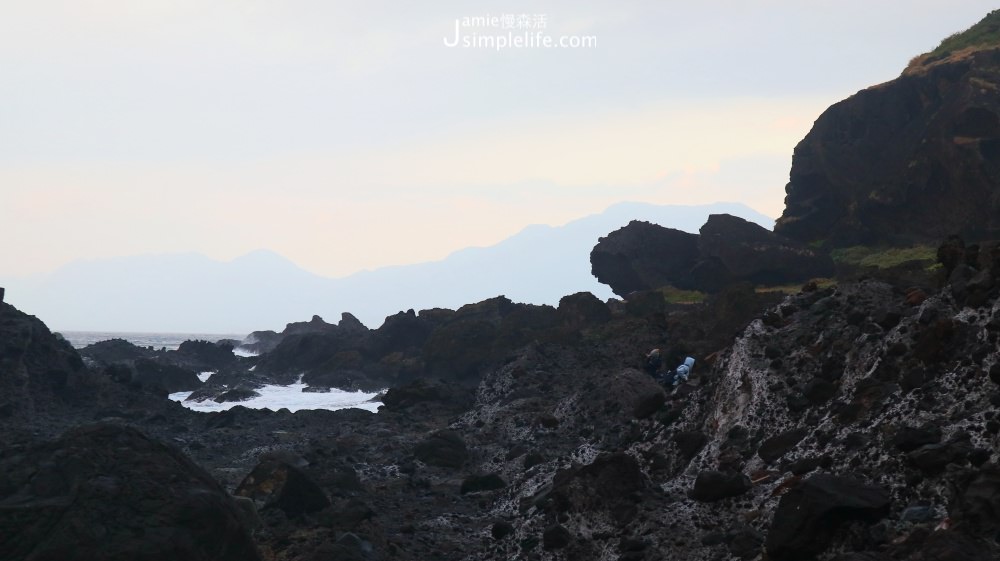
x=986, y=33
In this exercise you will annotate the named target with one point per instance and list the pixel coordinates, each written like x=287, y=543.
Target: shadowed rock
x=106, y=492
x=810, y=513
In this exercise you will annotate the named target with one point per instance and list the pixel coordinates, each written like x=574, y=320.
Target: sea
x=274, y=397
x=168, y=341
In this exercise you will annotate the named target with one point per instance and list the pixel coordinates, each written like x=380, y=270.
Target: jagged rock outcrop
x=727, y=250
x=114, y=351
x=452, y=345
x=260, y=342
x=159, y=371
x=911, y=160
x=38, y=370
x=203, y=355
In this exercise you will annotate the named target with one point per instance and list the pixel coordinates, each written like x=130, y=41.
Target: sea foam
x=290, y=397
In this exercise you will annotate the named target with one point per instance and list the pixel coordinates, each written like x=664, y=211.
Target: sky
x=349, y=135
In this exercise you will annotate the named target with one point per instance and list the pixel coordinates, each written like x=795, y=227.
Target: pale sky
x=347, y=136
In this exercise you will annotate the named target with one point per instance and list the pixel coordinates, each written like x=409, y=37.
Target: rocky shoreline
x=851, y=422
x=850, y=418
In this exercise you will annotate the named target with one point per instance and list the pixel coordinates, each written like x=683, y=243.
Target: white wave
x=204, y=376
x=240, y=351
x=290, y=397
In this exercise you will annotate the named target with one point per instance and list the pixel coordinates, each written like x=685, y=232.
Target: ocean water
x=290, y=397
x=170, y=341
x=272, y=397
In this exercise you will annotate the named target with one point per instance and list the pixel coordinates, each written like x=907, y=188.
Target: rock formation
x=912, y=160
x=727, y=250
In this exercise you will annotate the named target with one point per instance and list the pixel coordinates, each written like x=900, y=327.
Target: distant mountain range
x=262, y=290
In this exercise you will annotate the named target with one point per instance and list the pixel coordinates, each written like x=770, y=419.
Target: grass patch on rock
x=673, y=295
x=883, y=257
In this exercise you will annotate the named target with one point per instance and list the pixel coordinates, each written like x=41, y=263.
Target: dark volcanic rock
x=205, y=355
x=114, y=351
x=775, y=447
x=911, y=438
x=977, y=506
x=150, y=374
x=556, y=537
x=642, y=256
x=310, y=347
x=910, y=160
x=237, y=394
x=612, y=484
x=711, y=486
x=435, y=394
x=748, y=252
x=583, y=309
x=400, y=332
x=106, y=492
x=444, y=448
x=458, y=349
x=277, y=484
x=744, y=542
x=501, y=530
x=933, y=458
x=809, y=514
x=477, y=483
x=37, y=369
x=261, y=342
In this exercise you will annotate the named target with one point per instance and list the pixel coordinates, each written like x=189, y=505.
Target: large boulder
x=107, y=492
x=911, y=160
x=711, y=486
x=641, y=256
x=808, y=514
x=772, y=449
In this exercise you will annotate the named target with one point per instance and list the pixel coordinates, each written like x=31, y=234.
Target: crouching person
x=680, y=374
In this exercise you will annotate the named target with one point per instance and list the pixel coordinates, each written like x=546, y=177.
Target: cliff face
x=911, y=160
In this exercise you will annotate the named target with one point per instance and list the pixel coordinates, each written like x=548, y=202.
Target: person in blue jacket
x=681, y=373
